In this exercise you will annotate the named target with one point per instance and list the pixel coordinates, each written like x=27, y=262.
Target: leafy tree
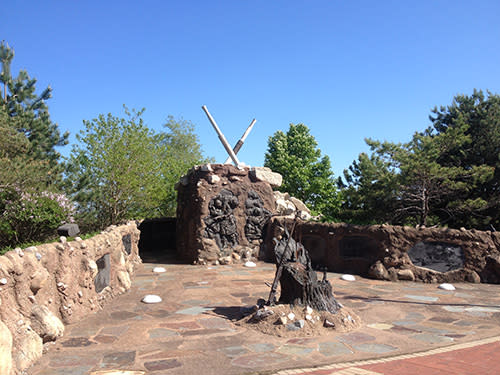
x=20, y=100
x=123, y=170
x=306, y=175
x=180, y=150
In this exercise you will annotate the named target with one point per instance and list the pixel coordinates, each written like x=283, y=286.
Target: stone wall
x=44, y=287
x=396, y=252
x=221, y=212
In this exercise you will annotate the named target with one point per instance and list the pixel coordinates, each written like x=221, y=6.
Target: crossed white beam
x=231, y=151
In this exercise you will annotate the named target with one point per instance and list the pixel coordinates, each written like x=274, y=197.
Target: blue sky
x=346, y=69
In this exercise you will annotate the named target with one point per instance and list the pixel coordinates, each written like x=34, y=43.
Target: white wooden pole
x=228, y=148
x=238, y=145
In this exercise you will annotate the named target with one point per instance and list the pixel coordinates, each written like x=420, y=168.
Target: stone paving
x=193, y=329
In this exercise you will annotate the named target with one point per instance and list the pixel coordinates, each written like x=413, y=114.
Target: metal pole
x=238, y=145
x=228, y=148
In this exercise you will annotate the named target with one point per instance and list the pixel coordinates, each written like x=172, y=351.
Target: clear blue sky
x=347, y=69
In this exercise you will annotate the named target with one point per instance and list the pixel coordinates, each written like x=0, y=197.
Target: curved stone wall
x=44, y=287
x=382, y=251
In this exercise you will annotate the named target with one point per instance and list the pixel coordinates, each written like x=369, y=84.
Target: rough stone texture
x=363, y=250
x=378, y=271
x=68, y=230
x=266, y=175
x=5, y=350
x=53, y=284
x=28, y=347
x=210, y=228
x=48, y=326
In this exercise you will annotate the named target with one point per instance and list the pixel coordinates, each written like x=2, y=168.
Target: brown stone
x=29, y=349
x=198, y=218
x=378, y=271
x=48, y=326
x=473, y=277
x=5, y=349
x=164, y=364
x=406, y=275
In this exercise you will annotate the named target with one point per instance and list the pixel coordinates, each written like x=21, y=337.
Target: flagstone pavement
x=410, y=328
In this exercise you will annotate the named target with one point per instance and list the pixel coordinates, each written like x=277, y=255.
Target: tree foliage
x=20, y=100
x=479, y=115
x=31, y=205
x=306, y=174
x=444, y=175
x=121, y=169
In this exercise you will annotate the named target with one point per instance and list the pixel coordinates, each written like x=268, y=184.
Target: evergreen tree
x=371, y=186
x=20, y=100
x=306, y=174
x=481, y=114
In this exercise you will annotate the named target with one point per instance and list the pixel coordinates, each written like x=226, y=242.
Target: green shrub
x=32, y=216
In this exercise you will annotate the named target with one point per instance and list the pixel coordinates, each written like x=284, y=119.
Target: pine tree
x=20, y=100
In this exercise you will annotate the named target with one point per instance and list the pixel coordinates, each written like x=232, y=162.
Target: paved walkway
x=407, y=326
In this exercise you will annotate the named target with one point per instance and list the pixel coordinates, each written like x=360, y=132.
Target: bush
x=32, y=216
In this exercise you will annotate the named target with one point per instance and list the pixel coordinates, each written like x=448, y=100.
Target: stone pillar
x=221, y=211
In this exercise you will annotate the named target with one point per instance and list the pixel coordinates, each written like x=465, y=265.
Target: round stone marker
x=250, y=264
x=159, y=269
x=151, y=298
x=348, y=277
x=446, y=286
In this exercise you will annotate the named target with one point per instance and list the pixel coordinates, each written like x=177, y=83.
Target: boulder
x=68, y=230
x=5, y=349
x=38, y=279
x=266, y=175
x=406, y=274
x=378, y=271
x=48, y=326
x=29, y=349
x=299, y=205
x=124, y=279
x=473, y=277
x=284, y=207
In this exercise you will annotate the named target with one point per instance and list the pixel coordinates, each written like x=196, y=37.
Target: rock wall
x=386, y=252
x=222, y=211
x=44, y=287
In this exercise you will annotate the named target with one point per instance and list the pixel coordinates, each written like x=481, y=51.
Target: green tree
x=31, y=206
x=20, y=100
x=306, y=174
x=371, y=186
x=115, y=170
x=481, y=114
x=123, y=170
x=436, y=192
x=180, y=151
x=407, y=184
x=18, y=169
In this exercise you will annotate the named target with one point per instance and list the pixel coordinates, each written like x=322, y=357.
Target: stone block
x=68, y=230
x=266, y=175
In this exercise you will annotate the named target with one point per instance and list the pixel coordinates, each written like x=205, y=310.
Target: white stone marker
x=446, y=286
x=348, y=277
x=151, y=298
